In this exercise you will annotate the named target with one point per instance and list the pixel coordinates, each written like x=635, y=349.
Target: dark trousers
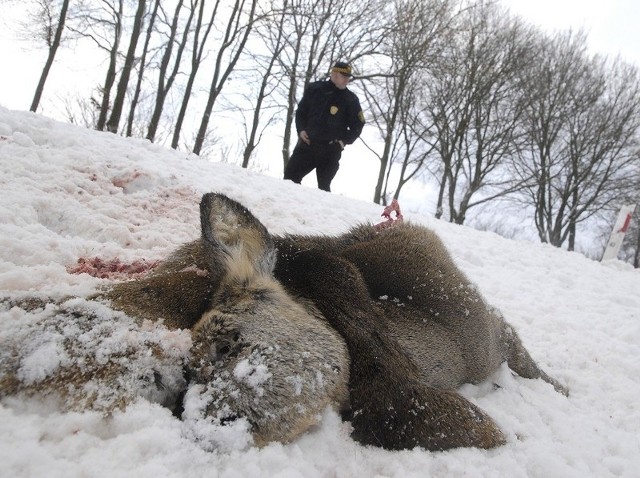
x=324, y=158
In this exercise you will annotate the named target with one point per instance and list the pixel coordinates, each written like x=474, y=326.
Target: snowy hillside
x=70, y=193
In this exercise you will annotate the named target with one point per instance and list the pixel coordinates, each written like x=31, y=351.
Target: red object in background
x=394, y=207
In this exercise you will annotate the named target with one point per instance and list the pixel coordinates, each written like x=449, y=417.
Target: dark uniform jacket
x=328, y=113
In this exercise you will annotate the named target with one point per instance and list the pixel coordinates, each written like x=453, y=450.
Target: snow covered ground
x=68, y=193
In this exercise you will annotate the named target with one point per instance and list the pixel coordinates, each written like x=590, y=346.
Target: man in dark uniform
x=329, y=117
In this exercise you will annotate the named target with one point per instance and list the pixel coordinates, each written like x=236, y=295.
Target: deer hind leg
x=391, y=407
x=522, y=363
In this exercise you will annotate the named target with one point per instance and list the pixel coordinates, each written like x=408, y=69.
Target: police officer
x=329, y=117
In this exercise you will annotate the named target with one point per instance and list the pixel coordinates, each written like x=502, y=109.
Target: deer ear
x=230, y=229
x=214, y=250
x=211, y=215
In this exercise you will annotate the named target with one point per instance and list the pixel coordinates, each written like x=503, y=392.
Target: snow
x=71, y=193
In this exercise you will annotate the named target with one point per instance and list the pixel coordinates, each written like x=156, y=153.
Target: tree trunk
x=111, y=71
x=220, y=77
x=196, y=59
x=165, y=82
x=118, y=104
x=53, y=48
x=636, y=258
x=251, y=140
x=141, y=69
x=288, y=121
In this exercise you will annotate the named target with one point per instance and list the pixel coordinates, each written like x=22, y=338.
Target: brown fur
x=281, y=325
x=430, y=306
x=390, y=405
x=279, y=361
x=415, y=327
x=177, y=292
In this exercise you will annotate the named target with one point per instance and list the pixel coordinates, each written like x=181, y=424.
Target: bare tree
x=548, y=87
x=603, y=139
x=472, y=103
x=581, y=130
x=230, y=47
x=199, y=41
x=412, y=43
x=270, y=27
x=153, y=14
x=317, y=33
x=110, y=77
x=52, y=27
x=166, y=77
x=125, y=74
x=103, y=25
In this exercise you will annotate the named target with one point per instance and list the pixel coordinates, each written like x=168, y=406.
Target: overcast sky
x=613, y=26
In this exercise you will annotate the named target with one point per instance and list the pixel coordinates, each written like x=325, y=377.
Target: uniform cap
x=342, y=67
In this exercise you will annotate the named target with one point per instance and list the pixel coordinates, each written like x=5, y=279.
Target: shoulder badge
x=361, y=116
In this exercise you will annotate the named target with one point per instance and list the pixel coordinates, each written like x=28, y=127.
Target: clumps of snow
x=253, y=371
x=297, y=382
x=134, y=181
x=89, y=356
x=23, y=139
x=210, y=421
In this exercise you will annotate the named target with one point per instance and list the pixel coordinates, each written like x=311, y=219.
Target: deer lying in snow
x=378, y=323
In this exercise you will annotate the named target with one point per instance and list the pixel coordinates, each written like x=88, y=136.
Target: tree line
x=495, y=112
